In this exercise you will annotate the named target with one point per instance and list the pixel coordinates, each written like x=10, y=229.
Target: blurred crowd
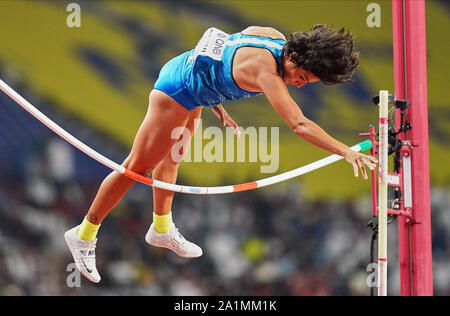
x=270, y=241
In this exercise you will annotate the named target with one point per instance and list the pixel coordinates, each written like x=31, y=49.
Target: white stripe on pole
x=270, y=180
x=382, y=194
x=304, y=169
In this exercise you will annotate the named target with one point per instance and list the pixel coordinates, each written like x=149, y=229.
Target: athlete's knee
x=138, y=164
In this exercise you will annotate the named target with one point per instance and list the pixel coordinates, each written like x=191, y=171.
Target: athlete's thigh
x=194, y=120
x=191, y=126
x=181, y=147
x=154, y=137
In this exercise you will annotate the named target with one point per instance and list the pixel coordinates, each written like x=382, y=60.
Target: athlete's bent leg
x=162, y=232
x=167, y=169
x=152, y=143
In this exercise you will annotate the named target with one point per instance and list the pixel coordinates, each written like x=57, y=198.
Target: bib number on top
x=212, y=44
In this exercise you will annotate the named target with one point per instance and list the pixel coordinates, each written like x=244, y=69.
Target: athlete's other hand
x=359, y=160
x=225, y=119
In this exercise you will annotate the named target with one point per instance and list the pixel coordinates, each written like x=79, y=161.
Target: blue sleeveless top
x=208, y=68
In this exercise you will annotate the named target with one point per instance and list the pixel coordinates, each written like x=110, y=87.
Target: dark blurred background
x=307, y=236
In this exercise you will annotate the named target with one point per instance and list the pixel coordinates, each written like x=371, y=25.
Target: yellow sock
x=87, y=230
x=163, y=223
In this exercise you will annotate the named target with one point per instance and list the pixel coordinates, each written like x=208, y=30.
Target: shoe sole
x=72, y=251
x=163, y=246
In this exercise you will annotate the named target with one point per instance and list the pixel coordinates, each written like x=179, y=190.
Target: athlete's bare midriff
x=247, y=60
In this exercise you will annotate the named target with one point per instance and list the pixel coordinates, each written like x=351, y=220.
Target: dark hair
x=330, y=54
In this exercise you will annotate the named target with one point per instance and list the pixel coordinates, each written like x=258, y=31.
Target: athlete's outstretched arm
x=278, y=95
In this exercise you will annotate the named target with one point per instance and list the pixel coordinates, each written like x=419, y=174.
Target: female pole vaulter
x=221, y=68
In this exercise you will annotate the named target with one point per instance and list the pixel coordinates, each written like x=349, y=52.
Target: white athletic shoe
x=174, y=241
x=83, y=253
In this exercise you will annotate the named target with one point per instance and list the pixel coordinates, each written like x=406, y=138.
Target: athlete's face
x=296, y=76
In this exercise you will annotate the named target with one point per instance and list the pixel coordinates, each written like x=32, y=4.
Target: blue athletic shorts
x=173, y=78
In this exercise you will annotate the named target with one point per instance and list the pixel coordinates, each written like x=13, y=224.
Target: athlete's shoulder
x=265, y=31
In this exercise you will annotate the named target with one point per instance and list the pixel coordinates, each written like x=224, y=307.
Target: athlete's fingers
x=237, y=132
x=363, y=169
x=373, y=159
x=236, y=129
x=231, y=123
x=227, y=120
x=355, y=169
x=368, y=162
